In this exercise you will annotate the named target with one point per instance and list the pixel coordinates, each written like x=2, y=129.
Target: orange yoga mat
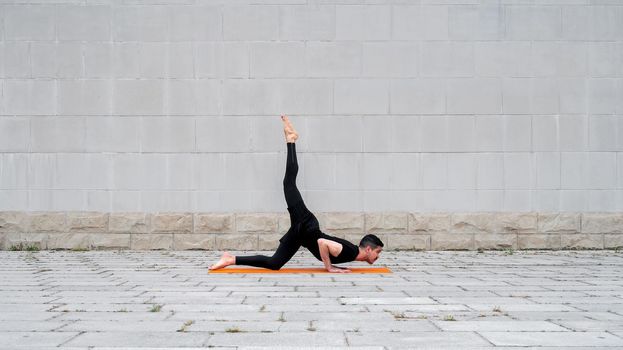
x=302, y=270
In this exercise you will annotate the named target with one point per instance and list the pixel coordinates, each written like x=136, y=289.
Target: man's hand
x=338, y=269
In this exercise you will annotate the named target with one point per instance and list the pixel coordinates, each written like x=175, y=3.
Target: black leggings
x=298, y=212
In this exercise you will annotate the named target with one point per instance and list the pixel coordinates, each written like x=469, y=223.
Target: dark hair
x=371, y=241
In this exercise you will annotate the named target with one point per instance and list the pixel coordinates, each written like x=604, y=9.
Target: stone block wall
x=261, y=231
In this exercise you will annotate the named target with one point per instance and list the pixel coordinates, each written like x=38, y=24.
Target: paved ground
x=450, y=300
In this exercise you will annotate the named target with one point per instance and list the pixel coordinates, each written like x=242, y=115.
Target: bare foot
x=288, y=129
x=226, y=260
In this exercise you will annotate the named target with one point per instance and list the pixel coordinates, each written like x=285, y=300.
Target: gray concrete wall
x=401, y=105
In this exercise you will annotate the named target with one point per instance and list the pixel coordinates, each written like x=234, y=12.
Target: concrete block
x=195, y=23
x=194, y=242
x=548, y=170
x=447, y=59
x=112, y=134
x=574, y=170
x=362, y=22
x=236, y=241
x=311, y=22
x=386, y=223
x=539, y=241
x=171, y=223
x=41, y=222
x=93, y=21
x=213, y=223
x=361, y=96
x=517, y=133
x=434, y=133
x=602, y=133
x=474, y=95
x=473, y=223
x=462, y=171
x=347, y=174
x=576, y=23
x=572, y=59
x=550, y=222
x=489, y=133
x=319, y=171
x=434, y=171
x=504, y=58
x=248, y=22
x=377, y=133
x=87, y=222
x=151, y=241
x=333, y=59
x=545, y=133
x=595, y=223
x=276, y=59
x=573, y=96
x=604, y=59
x=602, y=170
x=489, y=200
x=98, y=59
x=29, y=97
x=110, y=241
x=255, y=223
x=56, y=134
x=15, y=171
x=180, y=63
x=468, y=22
x=390, y=59
x=495, y=241
x=140, y=23
x=533, y=22
x=14, y=134
x=462, y=133
x=544, y=58
x=405, y=169
x=602, y=200
x=405, y=131
x=128, y=222
x=519, y=171
x=154, y=60
x=138, y=97
x=520, y=223
x=418, y=96
x=545, y=96
x=31, y=22
x=516, y=96
x=84, y=97
x=341, y=222
x=407, y=242
x=13, y=221
x=15, y=64
x=452, y=241
x=546, y=200
x=83, y=171
x=213, y=133
x=490, y=173
x=602, y=95
x=126, y=60
x=250, y=96
x=573, y=200
x=517, y=200
x=588, y=241
x=573, y=133
x=166, y=134
x=305, y=96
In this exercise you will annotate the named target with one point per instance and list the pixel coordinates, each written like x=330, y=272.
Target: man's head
x=372, y=246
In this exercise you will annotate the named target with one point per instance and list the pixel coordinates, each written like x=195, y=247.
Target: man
x=304, y=229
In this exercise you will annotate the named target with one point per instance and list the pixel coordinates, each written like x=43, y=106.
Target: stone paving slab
x=440, y=300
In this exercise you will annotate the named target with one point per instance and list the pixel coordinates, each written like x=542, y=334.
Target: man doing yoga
x=304, y=229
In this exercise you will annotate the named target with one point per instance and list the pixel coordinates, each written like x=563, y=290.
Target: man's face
x=373, y=254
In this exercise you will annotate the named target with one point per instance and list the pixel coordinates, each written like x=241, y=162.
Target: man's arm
x=323, y=247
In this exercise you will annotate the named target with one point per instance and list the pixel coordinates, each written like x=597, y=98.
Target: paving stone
x=445, y=300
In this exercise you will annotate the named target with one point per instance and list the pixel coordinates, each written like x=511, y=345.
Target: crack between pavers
x=70, y=339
